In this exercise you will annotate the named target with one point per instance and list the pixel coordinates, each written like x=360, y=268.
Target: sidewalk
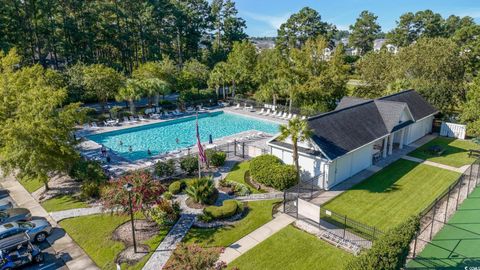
x=249, y=241
x=163, y=252
x=438, y=165
x=73, y=256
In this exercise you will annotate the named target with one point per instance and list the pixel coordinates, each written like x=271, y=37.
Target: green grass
x=64, y=202
x=455, y=154
x=260, y=212
x=293, y=249
x=94, y=235
x=393, y=194
x=237, y=174
x=31, y=185
x=456, y=246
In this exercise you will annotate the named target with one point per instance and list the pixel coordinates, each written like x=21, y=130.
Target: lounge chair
x=126, y=120
x=289, y=116
x=86, y=126
x=267, y=112
x=279, y=114
x=294, y=116
x=284, y=115
x=141, y=118
x=155, y=116
x=178, y=113
x=190, y=109
x=261, y=111
x=132, y=119
x=94, y=125
x=237, y=107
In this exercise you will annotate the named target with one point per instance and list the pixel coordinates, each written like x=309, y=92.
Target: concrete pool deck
x=119, y=164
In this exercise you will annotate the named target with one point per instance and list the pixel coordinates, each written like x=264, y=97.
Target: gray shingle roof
x=356, y=122
x=419, y=107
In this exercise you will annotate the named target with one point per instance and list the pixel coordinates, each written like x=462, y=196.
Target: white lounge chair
x=132, y=119
x=155, y=116
x=284, y=115
x=86, y=126
x=177, y=112
x=261, y=111
x=294, y=116
x=267, y=112
x=126, y=120
x=94, y=125
x=141, y=118
x=237, y=107
x=278, y=114
x=289, y=116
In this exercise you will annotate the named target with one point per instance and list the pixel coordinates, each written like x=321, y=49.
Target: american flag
x=201, y=152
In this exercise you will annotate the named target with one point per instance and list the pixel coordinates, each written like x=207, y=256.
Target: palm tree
x=298, y=131
x=131, y=92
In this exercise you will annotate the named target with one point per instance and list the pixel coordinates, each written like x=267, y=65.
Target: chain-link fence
x=435, y=216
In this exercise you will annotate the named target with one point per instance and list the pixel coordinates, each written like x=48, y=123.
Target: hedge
x=189, y=164
x=390, y=251
x=269, y=170
x=228, y=209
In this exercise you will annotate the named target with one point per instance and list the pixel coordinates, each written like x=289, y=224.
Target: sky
x=263, y=17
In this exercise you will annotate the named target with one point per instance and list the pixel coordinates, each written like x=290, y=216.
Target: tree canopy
x=364, y=32
x=35, y=128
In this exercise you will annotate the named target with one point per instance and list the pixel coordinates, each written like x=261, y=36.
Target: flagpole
x=198, y=155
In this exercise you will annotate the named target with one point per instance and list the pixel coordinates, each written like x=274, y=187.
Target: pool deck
x=119, y=165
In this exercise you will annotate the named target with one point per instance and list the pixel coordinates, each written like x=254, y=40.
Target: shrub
x=176, y=187
x=164, y=213
x=90, y=190
x=215, y=158
x=192, y=256
x=189, y=164
x=390, y=251
x=167, y=195
x=87, y=170
x=240, y=189
x=201, y=190
x=263, y=162
x=165, y=169
x=269, y=170
x=228, y=209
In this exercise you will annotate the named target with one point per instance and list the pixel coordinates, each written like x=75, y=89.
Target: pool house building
x=357, y=134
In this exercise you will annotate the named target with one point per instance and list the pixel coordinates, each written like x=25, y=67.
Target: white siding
x=419, y=129
x=310, y=166
x=350, y=164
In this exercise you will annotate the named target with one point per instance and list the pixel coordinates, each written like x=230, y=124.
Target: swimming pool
x=162, y=137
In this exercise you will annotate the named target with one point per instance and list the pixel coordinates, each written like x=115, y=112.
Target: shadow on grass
x=385, y=180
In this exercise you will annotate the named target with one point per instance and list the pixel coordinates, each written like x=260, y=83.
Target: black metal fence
x=244, y=150
x=339, y=226
x=437, y=214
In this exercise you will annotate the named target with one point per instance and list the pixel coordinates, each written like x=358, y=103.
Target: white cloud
x=274, y=21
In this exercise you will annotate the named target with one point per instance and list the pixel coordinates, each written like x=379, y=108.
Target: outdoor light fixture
x=128, y=187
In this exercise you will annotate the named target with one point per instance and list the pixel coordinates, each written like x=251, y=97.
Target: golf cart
x=17, y=251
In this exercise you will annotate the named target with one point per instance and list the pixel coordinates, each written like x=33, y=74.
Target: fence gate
x=308, y=210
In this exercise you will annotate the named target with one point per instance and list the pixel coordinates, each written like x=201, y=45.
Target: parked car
x=14, y=214
x=37, y=229
x=5, y=203
x=17, y=251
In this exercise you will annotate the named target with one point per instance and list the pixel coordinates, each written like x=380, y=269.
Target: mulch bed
x=190, y=203
x=144, y=230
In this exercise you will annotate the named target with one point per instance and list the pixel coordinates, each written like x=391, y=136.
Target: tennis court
x=457, y=245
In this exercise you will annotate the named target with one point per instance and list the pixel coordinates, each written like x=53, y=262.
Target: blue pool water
x=161, y=137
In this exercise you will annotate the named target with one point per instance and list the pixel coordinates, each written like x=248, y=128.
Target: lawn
x=260, y=212
x=94, y=234
x=237, y=174
x=455, y=154
x=393, y=194
x=31, y=185
x=64, y=202
x=291, y=248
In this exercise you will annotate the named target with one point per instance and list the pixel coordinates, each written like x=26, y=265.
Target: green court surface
x=457, y=245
